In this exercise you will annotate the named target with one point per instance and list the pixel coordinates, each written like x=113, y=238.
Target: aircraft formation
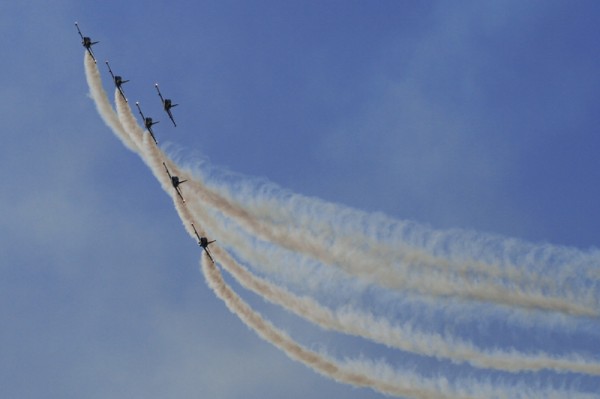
x=167, y=104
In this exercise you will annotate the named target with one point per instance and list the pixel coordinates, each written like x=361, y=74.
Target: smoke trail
x=284, y=215
x=423, y=284
x=377, y=376
x=102, y=104
x=467, y=253
x=468, y=283
x=349, y=322
x=360, y=372
x=404, y=385
x=401, y=278
x=355, y=323
x=352, y=322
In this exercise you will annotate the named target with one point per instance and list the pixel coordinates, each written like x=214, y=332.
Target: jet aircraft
x=204, y=243
x=175, y=182
x=87, y=42
x=118, y=81
x=167, y=104
x=147, y=122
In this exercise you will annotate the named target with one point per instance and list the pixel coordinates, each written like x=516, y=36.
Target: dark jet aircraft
x=147, y=122
x=204, y=243
x=118, y=81
x=87, y=42
x=175, y=182
x=167, y=104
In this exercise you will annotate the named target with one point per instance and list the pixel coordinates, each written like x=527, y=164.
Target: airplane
x=147, y=122
x=118, y=81
x=175, y=182
x=167, y=104
x=87, y=42
x=204, y=243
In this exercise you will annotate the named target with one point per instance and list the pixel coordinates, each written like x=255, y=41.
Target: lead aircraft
x=86, y=42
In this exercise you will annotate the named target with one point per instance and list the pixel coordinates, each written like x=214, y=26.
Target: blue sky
x=472, y=115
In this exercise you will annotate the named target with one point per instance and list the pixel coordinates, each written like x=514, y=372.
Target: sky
x=453, y=115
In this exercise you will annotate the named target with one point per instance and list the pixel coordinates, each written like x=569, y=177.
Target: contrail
x=469, y=254
x=435, y=283
x=355, y=324
x=150, y=154
x=385, y=276
x=295, y=215
x=371, y=268
x=350, y=321
x=346, y=320
x=353, y=373
x=102, y=104
x=379, y=330
x=379, y=377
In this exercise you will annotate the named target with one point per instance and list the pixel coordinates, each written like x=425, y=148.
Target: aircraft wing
x=169, y=173
x=209, y=255
x=91, y=53
x=196, y=231
x=171, y=116
x=122, y=94
x=180, y=195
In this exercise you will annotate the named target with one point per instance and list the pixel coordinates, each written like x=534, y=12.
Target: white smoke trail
x=361, y=373
x=152, y=156
x=358, y=373
x=102, y=104
x=387, y=277
x=350, y=321
x=282, y=211
x=351, y=230
x=266, y=201
x=355, y=324
x=522, y=289
x=370, y=267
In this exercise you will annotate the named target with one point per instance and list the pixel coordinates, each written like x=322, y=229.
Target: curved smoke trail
x=408, y=272
x=103, y=105
x=347, y=257
x=348, y=321
x=379, y=330
x=379, y=377
x=354, y=231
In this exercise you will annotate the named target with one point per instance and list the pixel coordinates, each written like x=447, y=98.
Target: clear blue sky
x=474, y=115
